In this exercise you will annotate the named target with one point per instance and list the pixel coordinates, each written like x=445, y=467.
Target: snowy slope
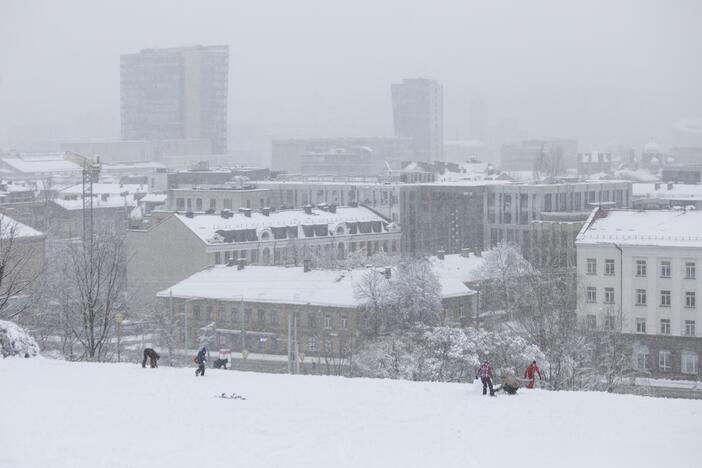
x=58, y=414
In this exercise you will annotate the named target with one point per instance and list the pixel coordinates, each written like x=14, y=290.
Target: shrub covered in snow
x=15, y=341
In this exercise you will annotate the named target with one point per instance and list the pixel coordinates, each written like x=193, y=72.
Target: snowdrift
x=15, y=341
x=82, y=415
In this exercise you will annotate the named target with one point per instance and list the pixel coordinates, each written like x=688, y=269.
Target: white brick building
x=644, y=265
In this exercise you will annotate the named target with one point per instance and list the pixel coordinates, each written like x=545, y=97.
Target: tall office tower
x=176, y=93
x=418, y=111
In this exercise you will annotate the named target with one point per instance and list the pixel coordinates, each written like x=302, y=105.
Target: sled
x=232, y=396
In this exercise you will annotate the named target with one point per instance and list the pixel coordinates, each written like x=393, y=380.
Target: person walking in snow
x=530, y=373
x=485, y=374
x=200, y=360
x=509, y=384
x=152, y=356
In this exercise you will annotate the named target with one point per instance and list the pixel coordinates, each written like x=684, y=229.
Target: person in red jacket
x=530, y=373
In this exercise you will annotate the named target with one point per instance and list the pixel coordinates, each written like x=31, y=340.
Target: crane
x=90, y=172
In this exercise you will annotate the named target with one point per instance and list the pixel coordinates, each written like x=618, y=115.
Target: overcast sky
x=600, y=71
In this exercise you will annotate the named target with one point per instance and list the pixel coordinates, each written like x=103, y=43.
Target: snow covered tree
x=501, y=278
x=416, y=294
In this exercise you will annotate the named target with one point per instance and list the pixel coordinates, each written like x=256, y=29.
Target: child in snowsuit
x=530, y=373
x=221, y=363
x=200, y=360
x=510, y=384
x=485, y=374
x=152, y=356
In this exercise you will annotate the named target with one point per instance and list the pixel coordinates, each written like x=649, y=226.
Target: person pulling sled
x=485, y=374
x=200, y=360
x=530, y=373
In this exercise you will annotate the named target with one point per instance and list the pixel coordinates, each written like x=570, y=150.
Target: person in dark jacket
x=152, y=356
x=200, y=360
x=485, y=374
x=220, y=363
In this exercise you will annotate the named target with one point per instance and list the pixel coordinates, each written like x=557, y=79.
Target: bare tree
x=93, y=290
x=18, y=267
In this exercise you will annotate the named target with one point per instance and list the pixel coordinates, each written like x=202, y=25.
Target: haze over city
x=600, y=72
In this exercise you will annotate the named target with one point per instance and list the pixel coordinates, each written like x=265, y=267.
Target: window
x=213, y=203
x=208, y=312
x=665, y=326
x=609, y=322
x=327, y=321
x=665, y=269
x=640, y=267
x=690, y=299
x=180, y=204
x=609, y=266
x=642, y=359
x=196, y=312
x=664, y=361
x=640, y=325
x=198, y=204
x=690, y=270
x=665, y=298
x=688, y=362
x=328, y=348
x=609, y=296
x=222, y=340
x=312, y=321
x=312, y=343
x=273, y=317
x=591, y=266
x=261, y=316
x=689, y=327
x=220, y=313
x=218, y=258
x=366, y=323
x=344, y=323
x=591, y=294
x=641, y=297
x=591, y=321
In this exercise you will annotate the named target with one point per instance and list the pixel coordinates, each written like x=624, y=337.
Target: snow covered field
x=79, y=415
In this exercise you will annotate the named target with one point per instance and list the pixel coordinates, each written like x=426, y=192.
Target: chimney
x=670, y=186
x=226, y=213
x=246, y=211
x=266, y=211
x=241, y=263
x=189, y=214
x=465, y=252
x=332, y=208
x=440, y=254
x=308, y=209
x=388, y=272
x=656, y=186
x=307, y=265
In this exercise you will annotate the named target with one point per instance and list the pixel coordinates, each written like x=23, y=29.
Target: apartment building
x=643, y=266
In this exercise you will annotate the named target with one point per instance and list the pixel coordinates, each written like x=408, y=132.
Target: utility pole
x=243, y=326
x=297, y=347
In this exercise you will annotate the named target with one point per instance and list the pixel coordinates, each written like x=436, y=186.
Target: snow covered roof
x=41, y=165
x=206, y=226
x=105, y=188
x=667, y=191
x=286, y=285
x=10, y=227
x=112, y=201
x=458, y=267
x=155, y=198
x=662, y=228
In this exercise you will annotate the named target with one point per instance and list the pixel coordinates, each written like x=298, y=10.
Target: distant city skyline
x=597, y=72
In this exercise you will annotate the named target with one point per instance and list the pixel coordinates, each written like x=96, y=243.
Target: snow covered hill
x=79, y=415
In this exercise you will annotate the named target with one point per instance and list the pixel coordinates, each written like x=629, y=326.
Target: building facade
x=642, y=267
x=176, y=93
x=172, y=246
x=418, y=113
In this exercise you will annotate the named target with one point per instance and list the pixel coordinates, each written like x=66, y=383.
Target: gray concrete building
x=176, y=93
x=418, y=113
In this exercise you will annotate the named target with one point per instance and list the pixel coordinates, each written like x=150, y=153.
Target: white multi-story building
x=642, y=266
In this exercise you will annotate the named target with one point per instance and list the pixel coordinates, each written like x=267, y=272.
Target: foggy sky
x=600, y=71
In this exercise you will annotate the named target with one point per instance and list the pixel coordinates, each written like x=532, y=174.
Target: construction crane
x=90, y=171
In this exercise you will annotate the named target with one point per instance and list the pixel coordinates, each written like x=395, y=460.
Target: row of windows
x=263, y=318
x=641, y=297
x=664, y=329
x=187, y=203
x=664, y=268
x=688, y=361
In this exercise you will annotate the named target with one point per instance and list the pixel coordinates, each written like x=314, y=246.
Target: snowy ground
x=59, y=414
